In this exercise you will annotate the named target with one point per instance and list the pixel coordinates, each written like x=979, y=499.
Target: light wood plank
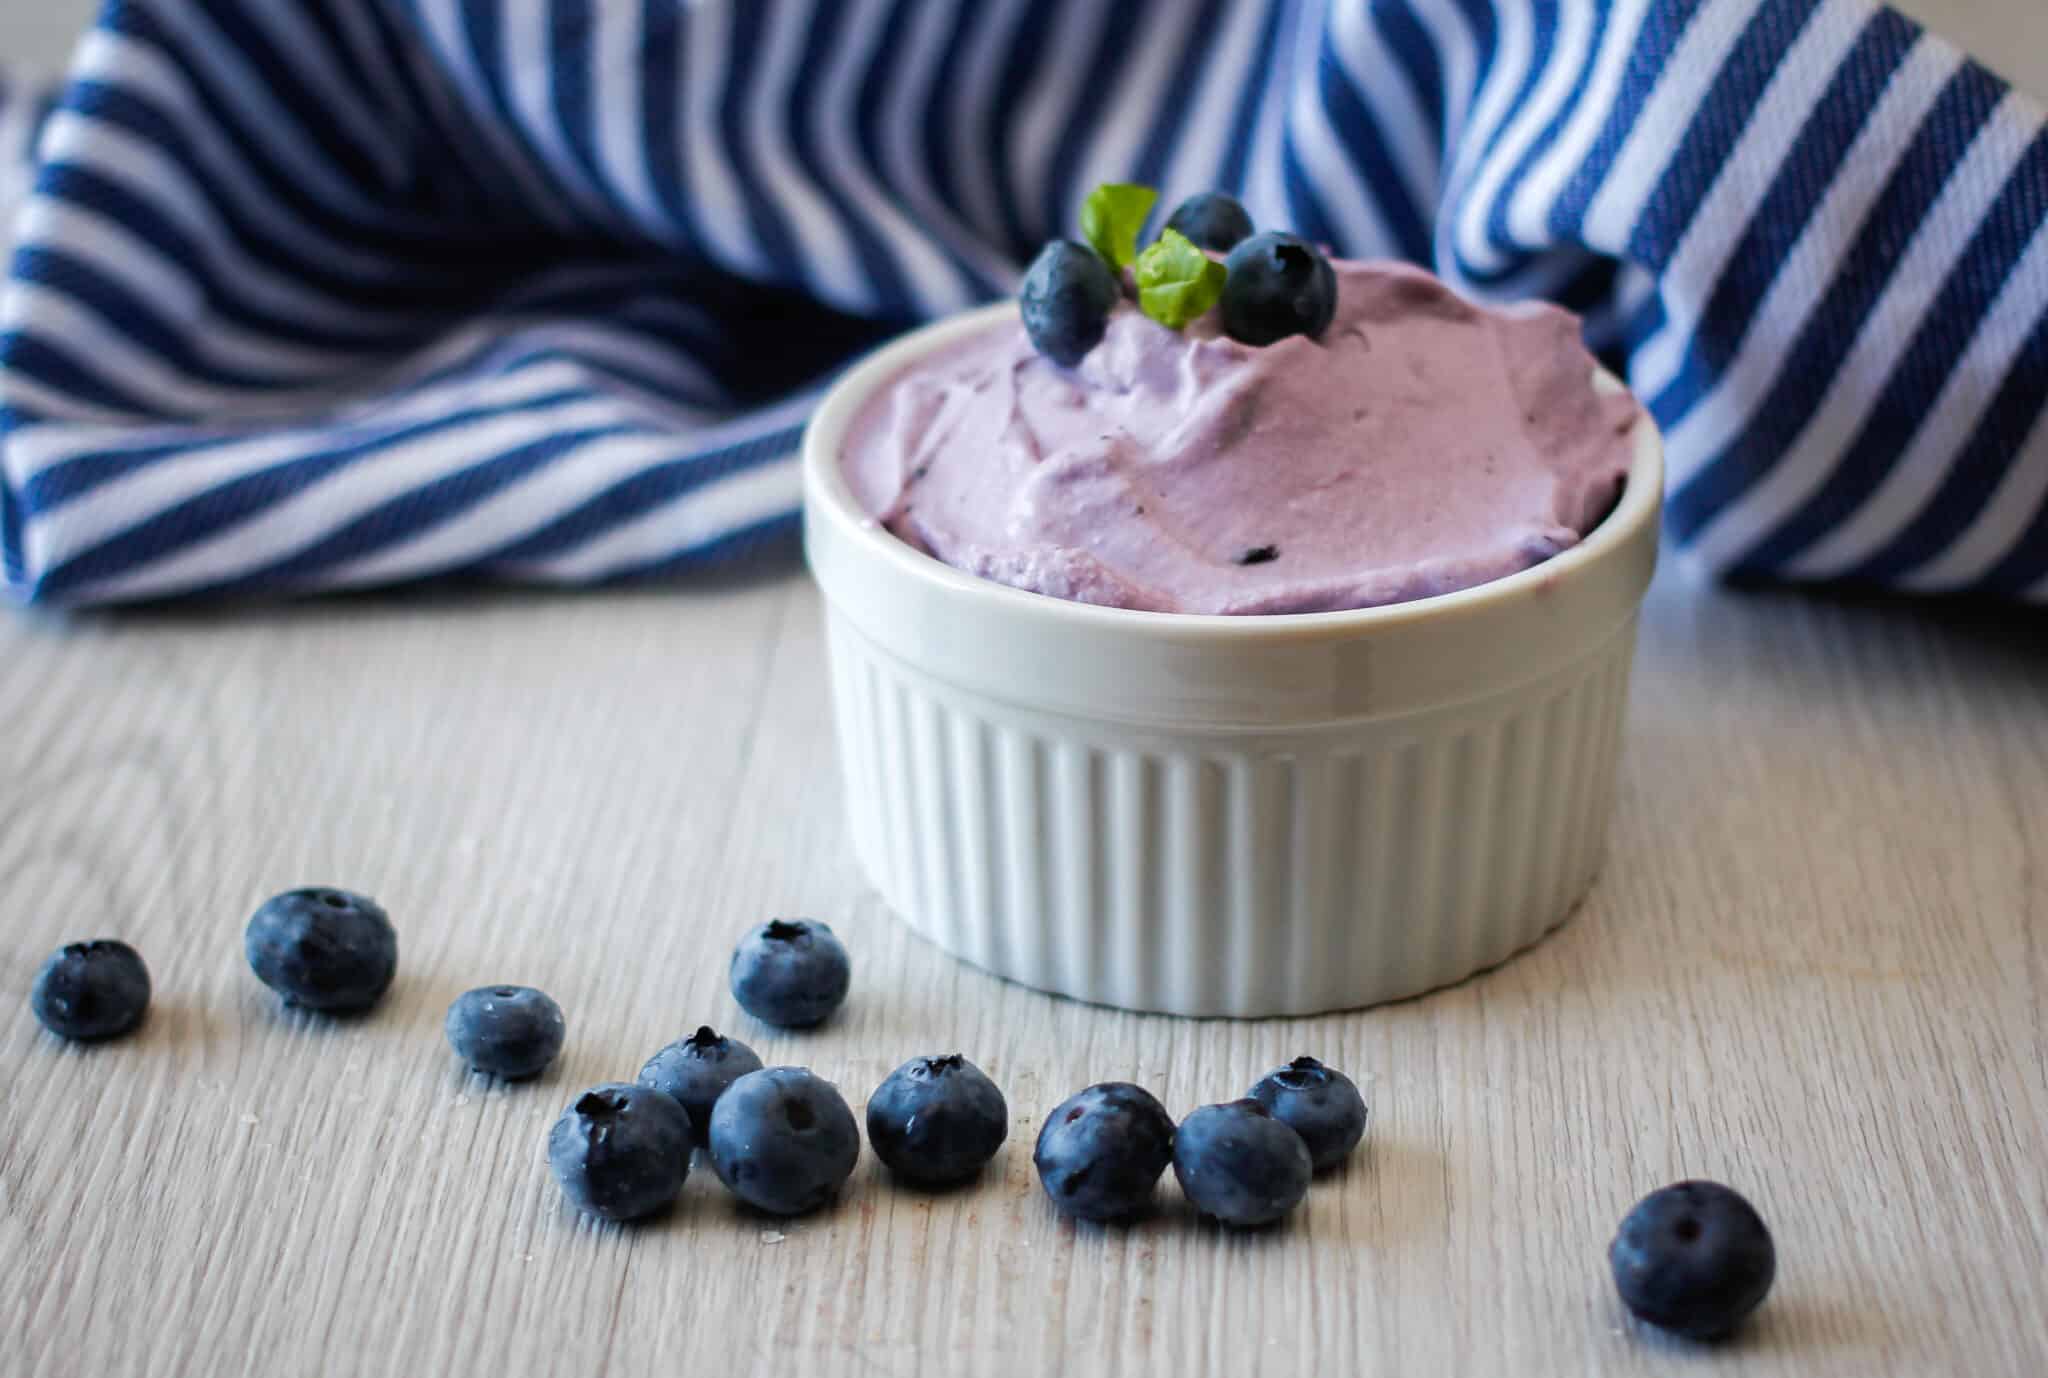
x=1813, y=968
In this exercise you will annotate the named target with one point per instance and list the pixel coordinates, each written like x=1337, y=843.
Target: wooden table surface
x=1816, y=967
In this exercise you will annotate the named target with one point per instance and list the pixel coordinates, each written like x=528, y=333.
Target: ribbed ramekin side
x=1228, y=873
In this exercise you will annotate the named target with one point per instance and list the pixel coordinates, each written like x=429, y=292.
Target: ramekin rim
x=827, y=495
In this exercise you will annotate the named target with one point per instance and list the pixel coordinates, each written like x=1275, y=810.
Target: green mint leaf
x=1111, y=218
x=1176, y=281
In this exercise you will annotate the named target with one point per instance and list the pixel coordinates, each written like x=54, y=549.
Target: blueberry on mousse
x=1065, y=301
x=1212, y=220
x=1277, y=285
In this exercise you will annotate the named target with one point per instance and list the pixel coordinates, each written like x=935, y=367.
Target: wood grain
x=1814, y=968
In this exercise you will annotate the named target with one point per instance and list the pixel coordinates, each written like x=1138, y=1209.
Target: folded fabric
x=348, y=292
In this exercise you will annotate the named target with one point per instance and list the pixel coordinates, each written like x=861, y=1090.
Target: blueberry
x=791, y=972
x=1239, y=1164
x=783, y=1140
x=1278, y=286
x=1694, y=1259
x=508, y=1031
x=1212, y=220
x=1100, y=1153
x=937, y=1120
x=91, y=990
x=324, y=949
x=1066, y=299
x=621, y=1151
x=1319, y=1103
x=696, y=1070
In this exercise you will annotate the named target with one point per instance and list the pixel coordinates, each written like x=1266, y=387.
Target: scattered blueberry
x=91, y=990
x=1212, y=220
x=511, y=1032
x=696, y=1070
x=937, y=1120
x=1279, y=285
x=1693, y=1258
x=1319, y=1103
x=621, y=1151
x=1239, y=1164
x=783, y=1140
x=324, y=949
x=1100, y=1153
x=792, y=972
x=1066, y=299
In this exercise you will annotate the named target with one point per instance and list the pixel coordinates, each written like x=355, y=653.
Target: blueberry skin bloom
x=783, y=1140
x=322, y=948
x=1319, y=1103
x=621, y=1151
x=511, y=1032
x=1099, y=1155
x=696, y=1070
x=791, y=972
x=1278, y=285
x=937, y=1120
x=89, y=991
x=1066, y=299
x=1693, y=1258
x=1239, y=1164
x=1212, y=220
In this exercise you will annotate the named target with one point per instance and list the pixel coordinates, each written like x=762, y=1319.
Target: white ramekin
x=1222, y=815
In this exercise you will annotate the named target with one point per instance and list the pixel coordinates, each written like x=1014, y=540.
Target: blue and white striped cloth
x=347, y=292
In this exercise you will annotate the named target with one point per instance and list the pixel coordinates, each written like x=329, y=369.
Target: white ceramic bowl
x=1222, y=815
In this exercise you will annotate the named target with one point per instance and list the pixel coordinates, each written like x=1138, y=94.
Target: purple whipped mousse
x=1421, y=444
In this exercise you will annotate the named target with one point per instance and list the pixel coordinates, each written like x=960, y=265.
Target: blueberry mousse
x=1238, y=1163
x=791, y=972
x=1230, y=421
x=783, y=1140
x=1693, y=1258
x=91, y=991
x=621, y=1151
x=509, y=1032
x=1100, y=1154
x=937, y=1120
x=322, y=948
x=696, y=1070
x=1319, y=1103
